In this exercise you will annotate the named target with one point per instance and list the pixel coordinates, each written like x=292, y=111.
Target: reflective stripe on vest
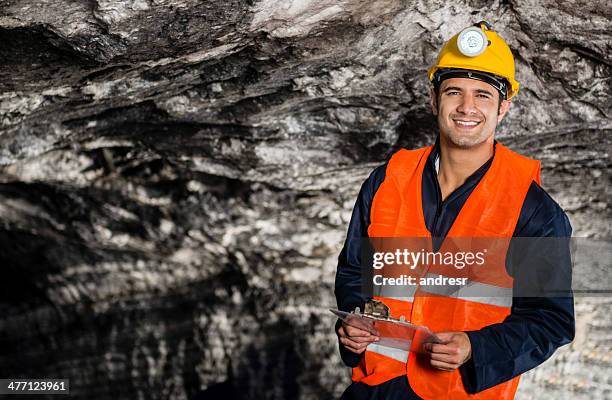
x=402, y=298
x=472, y=291
x=391, y=352
x=492, y=210
x=397, y=292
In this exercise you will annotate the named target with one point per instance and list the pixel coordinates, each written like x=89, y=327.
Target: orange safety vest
x=492, y=210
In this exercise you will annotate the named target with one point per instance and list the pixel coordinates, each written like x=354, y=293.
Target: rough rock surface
x=176, y=178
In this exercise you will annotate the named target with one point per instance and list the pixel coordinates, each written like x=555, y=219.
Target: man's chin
x=467, y=142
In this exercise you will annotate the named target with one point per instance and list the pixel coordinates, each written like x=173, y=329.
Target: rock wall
x=177, y=176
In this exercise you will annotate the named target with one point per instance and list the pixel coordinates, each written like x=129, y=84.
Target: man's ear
x=503, y=109
x=433, y=101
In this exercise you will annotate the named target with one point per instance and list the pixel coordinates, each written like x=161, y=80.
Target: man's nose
x=467, y=105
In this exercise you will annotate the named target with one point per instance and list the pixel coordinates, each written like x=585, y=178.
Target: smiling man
x=465, y=185
x=469, y=113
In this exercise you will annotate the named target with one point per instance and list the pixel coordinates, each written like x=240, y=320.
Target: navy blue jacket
x=535, y=328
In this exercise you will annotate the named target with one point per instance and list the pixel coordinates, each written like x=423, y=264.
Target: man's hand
x=355, y=339
x=452, y=353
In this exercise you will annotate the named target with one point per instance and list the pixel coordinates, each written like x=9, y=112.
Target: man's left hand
x=453, y=351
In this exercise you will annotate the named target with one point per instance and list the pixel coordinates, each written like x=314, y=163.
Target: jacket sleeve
x=348, y=274
x=536, y=326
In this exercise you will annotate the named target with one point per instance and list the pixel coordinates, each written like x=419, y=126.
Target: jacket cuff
x=468, y=373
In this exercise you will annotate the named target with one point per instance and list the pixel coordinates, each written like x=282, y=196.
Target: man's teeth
x=466, y=123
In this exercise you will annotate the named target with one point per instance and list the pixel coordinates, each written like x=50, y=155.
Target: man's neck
x=458, y=163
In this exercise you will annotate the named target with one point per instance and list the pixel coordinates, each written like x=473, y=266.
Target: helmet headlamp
x=472, y=41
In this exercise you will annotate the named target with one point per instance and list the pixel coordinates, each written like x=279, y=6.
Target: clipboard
x=394, y=333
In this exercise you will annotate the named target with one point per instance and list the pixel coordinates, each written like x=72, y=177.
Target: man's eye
x=452, y=93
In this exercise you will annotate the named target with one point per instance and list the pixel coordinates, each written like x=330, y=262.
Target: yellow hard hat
x=480, y=49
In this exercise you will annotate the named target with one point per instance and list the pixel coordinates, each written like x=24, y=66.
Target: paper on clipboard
x=393, y=333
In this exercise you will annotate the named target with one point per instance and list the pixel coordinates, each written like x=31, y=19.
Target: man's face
x=468, y=111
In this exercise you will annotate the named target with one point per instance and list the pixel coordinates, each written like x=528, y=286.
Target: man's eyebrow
x=452, y=88
x=457, y=88
x=484, y=91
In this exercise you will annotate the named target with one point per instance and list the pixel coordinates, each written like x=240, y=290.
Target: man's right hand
x=355, y=339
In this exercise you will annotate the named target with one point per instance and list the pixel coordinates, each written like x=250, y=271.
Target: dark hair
x=501, y=84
